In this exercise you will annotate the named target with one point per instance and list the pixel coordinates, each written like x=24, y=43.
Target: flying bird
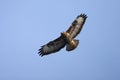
x=66, y=38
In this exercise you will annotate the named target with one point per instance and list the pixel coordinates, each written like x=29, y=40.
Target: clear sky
x=25, y=25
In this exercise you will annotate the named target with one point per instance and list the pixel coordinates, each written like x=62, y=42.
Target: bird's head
x=66, y=36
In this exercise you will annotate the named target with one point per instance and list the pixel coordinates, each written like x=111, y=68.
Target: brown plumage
x=66, y=38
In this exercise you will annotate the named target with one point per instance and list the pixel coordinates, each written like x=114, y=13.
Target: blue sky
x=25, y=25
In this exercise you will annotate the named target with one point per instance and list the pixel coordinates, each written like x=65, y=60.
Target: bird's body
x=66, y=38
x=70, y=43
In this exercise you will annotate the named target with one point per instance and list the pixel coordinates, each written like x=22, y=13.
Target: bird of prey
x=66, y=38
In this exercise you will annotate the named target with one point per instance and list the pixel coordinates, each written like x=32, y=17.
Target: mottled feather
x=77, y=25
x=52, y=46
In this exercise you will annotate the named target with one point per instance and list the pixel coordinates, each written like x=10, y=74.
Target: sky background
x=25, y=25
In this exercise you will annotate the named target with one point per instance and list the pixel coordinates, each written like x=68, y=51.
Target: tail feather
x=71, y=46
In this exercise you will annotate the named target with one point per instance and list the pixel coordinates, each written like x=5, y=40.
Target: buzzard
x=66, y=38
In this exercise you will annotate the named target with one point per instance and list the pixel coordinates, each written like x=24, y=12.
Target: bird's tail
x=72, y=45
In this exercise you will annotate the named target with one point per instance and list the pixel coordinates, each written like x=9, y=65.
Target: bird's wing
x=77, y=25
x=52, y=46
